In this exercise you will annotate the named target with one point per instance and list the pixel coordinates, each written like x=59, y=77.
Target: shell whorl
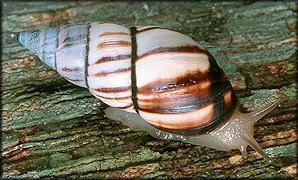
x=63, y=49
x=165, y=76
x=42, y=43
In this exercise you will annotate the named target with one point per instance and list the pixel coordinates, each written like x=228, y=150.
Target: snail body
x=154, y=79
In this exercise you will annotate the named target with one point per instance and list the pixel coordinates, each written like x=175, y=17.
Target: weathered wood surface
x=51, y=128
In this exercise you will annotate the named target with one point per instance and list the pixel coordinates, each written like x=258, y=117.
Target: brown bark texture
x=51, y=128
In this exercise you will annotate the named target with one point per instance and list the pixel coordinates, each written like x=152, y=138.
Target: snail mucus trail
x=154, y=79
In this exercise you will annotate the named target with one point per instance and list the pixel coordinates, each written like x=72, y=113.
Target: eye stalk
x=238, y=132
x=29, y=39
x=253, y=117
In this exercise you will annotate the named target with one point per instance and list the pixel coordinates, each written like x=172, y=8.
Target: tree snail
x=154, y=79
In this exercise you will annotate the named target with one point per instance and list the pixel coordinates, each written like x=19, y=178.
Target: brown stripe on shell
x=106, y=22
x=74, y=37
x=181, y=49
x=56, y=48
x=113, y=33
x=67, y=45
x=105, y=73
x=187, y=94
x=113, y=98
x=87, y=55
x=112, y=89
x=183, y=121
x=38, y=45
x=228, y=98
x=184, y=99
x=150, y=28
x=74, y=80
x=168, y=84
x=71, y=70
x=115, y=58
x=113, y=44
x=122, y=107
x=134, y=57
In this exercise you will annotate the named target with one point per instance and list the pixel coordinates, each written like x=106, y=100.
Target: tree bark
x=51, y=128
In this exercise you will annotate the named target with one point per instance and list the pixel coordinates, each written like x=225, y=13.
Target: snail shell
x=155, y=79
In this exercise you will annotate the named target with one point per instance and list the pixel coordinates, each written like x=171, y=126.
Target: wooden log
x=51, y=128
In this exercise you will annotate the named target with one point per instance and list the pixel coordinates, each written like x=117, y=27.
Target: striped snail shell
x=154, y=79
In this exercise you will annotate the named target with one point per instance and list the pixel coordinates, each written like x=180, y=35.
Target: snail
x=155, y=80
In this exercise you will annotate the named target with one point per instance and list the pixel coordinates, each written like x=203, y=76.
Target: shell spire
x=29, y=39
x=58, y=48
x=41, y=43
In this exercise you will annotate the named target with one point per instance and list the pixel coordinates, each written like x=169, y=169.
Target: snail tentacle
x=258, y=114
